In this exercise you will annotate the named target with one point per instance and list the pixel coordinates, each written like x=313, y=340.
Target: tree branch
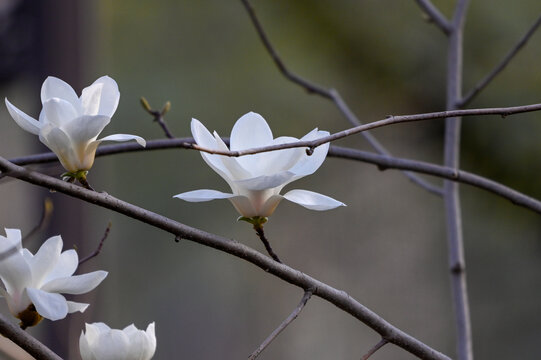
x=501, y=66
x=383, y=162
x=451, y=195
x=339, y=298
x=307, y=295
x=375, y=348
x=330, y=94
x=100, y=245
x=435, y=16
x=25, y=341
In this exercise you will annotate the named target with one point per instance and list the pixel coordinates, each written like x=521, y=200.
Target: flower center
x=29, y=317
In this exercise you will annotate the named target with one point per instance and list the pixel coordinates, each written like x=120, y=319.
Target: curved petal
x=78, y=284
x=84, y=346
x=55, y=88
x=59, y=111
x=309, y=164
x=203, y=195
x=65, y=266
x=26, y=122
x=265, y=182
x=76, y=306
x=205, y=139
x=270, y=205
x=50, y=306
x=124, y=137
x=312, y=200
x=100, y=98
x=235, y=169
x=111, y=345
x=45, y=260
x=14, y=270
x=59, y=143
x=85, y=128
x=250, y=131
x=142, y=344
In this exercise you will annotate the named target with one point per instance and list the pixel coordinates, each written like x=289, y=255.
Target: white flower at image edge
x=100, y=342
x=33, y=283
x=256, y=180
x=70, y=125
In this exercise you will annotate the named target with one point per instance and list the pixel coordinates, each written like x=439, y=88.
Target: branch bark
x=25, y=341
x=435, y=15
x=337, y=297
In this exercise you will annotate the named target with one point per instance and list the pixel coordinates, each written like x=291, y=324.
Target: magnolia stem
x=100, y=245
x=375, y=348
x=261, y=234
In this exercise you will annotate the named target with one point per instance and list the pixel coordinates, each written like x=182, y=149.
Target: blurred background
x=387, y=248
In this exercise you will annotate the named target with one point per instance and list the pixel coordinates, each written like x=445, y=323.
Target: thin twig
x=261, y=234
x=501, y=66
x=295, y=277
x=43, y=221
x=25, y=341
x=307, y=295
x=375, y=348
x=383, y=162
x=159, y=115
x=330, y=94
x=435, y=15
x=451, y=194
x=100, y=245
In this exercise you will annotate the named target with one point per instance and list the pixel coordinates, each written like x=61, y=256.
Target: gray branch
x=295, y=277
x=435, y=15
x=25, y=341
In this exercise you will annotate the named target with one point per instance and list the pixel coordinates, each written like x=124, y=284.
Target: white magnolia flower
x=256, y=180
x=100, y=342
x=33, y=283
x=70, y=125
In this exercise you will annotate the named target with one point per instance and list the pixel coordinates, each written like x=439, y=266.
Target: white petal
x=101, y=98
x=309, y=164
x=111, y=345
x=265, y=182
x=76, y=306
x=78, y=284
x=59, y=112
x=45, y=260
x=65, y=266
x=312, y=200
x=26, y=122
x=142, y=346
x=55, y=88
x=233, y=166
x=203, y=195
x=59, y=143
x=84, y=346
x=270, y=205
x=14, y=270
x=250, y=131
x=205, y=139
x=85, y=128
x=125, y=137
x=50, y=306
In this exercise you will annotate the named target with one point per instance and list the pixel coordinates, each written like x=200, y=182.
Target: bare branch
x=330, y=94
x=382, y=161
x=46, y=214
x=375, y=348
x=451, y=195
x=339, y=298
x=159, y=115
x=25, y=341
x=100, y=245
x=263, y=238
x=307, y=295
x=501, y=66
x=435, y=15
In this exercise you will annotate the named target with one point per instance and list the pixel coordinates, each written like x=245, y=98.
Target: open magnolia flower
x=256, y=180
x=100, y=342
x=70, y=125
x=33, y=283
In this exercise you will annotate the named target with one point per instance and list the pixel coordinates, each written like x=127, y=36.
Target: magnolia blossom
x=256, y=180
x=100, y=342
x=70, y=125
x=33, y=283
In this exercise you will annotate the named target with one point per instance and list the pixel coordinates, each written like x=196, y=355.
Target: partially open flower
x=70, y=125
x=256, y=180
x=34, y=283
x=100, y=342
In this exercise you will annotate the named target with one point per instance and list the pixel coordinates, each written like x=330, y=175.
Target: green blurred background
x=387, y=248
